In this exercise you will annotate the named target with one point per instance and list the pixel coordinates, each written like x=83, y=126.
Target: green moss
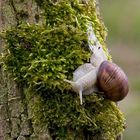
x=66, y=118
x=40, y=56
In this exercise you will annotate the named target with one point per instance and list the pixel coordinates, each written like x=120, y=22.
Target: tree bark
x=15, y=122
x=15, y=119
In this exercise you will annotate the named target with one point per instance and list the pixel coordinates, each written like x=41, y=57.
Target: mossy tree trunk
x=15, y=122
x=17, y=111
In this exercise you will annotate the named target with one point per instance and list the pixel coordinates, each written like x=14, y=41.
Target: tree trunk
x=15, y=122
x=16, y=114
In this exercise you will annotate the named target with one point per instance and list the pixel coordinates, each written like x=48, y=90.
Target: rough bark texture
x=15, y=122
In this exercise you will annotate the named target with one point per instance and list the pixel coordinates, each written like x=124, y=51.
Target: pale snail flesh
x=84, y=79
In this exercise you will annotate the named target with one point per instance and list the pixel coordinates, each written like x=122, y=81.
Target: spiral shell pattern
x=112, y=81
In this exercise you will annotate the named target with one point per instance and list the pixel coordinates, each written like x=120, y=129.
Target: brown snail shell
x=112, y=81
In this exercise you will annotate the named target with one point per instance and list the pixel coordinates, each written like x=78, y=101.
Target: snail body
x=84, y=79
x=85, y=76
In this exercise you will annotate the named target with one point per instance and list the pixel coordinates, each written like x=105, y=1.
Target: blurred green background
x=122, y=19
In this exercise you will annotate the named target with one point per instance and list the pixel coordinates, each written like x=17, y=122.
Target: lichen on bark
x=40, y=56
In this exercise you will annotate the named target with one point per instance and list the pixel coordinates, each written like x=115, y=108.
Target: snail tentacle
x=81, y=98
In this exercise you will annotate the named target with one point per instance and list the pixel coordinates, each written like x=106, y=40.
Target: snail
x=99, y=75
